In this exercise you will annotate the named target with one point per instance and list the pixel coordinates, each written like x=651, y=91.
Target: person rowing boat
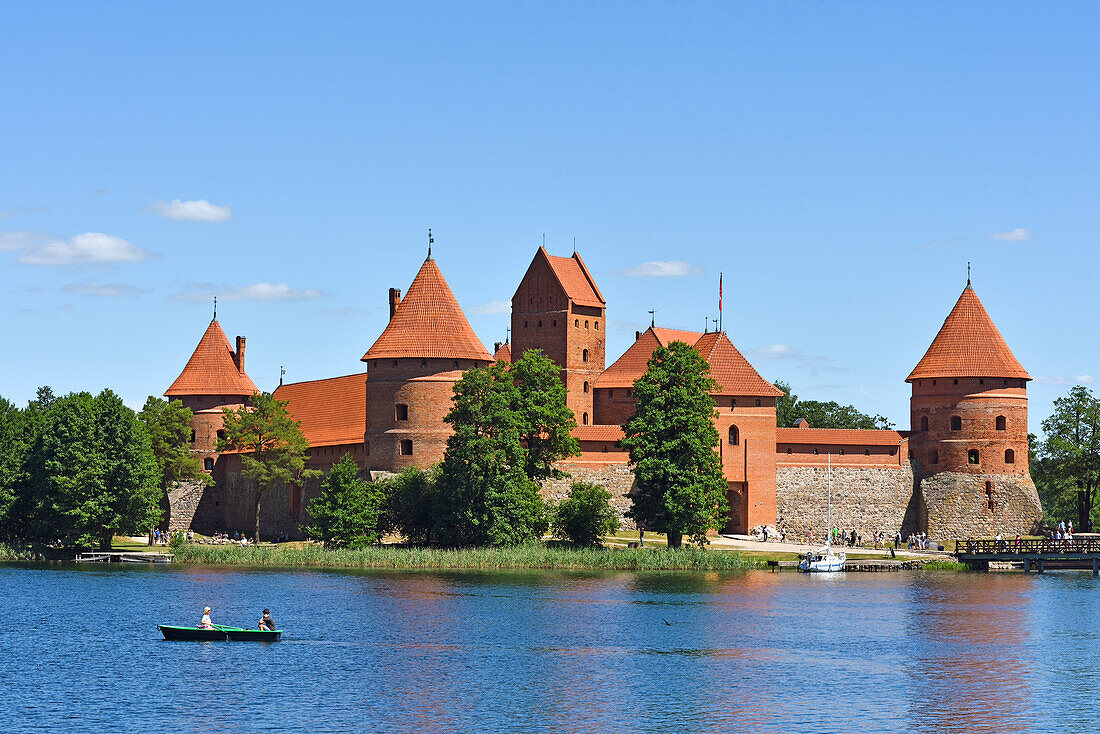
x=266, y=622
x=206, y=624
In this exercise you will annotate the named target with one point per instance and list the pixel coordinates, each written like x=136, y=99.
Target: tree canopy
x=1067, y=472
x=348, y=512
x=788, y=409
x=672, y=440
x=273, y=449
x=545, y=421
x=169, y=427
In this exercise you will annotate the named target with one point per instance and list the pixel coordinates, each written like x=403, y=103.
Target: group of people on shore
x=918, y=541
x=164, y=537
x=856, y=538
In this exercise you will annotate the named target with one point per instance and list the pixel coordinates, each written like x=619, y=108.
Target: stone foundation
x=865, y=499
x=617, y=478
x=957, y=505
x=181, y=504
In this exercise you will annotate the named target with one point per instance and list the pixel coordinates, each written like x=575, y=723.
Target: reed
x=21, y=553
x=533, y=556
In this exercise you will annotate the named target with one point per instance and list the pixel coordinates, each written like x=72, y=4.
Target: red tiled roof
x=428, y=324
x=575, y=279
x=212, y=369
x=734, y=374
x=504, y=354
x=968, y=345
x=332, y=411
x=597, y=433
x=838, y=436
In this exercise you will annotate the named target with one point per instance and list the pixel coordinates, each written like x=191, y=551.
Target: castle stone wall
x=617, y=478
x=962, y=505
x=865, y=499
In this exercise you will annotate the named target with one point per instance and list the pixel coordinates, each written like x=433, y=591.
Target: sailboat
x=824, y=560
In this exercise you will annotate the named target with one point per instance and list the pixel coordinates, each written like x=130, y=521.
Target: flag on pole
x=719, y=292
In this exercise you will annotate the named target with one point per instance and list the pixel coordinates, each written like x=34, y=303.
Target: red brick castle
x=962, y=470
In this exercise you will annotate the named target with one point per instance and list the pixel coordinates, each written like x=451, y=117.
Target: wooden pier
x=123, y=557
x=1033, y=554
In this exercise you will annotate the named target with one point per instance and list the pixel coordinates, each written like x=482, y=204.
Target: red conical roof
x=428, y=324
x=212, y=369
x=968, y=345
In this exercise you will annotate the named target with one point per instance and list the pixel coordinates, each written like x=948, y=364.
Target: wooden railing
x=1030, y=546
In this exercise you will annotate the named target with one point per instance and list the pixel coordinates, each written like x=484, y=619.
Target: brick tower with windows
x=969, y=442
x=559, y=309
x=412, y=369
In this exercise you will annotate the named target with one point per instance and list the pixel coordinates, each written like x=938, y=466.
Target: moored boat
x=823, y=561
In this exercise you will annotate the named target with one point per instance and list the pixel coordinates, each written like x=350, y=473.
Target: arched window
x=1001, y=423
x=192, y=435
x=586, y=323
x=540, y=323
x=956, y=423
x=758, y=402
x=597, y=326
x=924, y=423
x=733, y=402
x=402, y=412
x=406, y=447
x=815, y=452
x=208, y=464
x=972, y=457
x=866, y=452
x=586, y=387
x=735, y=436
x=933, y=457
x=788, y=449
x=584, y=356
x=577, y=323
x=221, y=435
x=584, y=419
x=1010, y=456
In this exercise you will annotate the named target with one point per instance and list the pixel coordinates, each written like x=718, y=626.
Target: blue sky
x=839, y=162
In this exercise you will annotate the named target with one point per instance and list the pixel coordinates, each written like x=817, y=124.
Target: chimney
x=238, y=356
x=395, y=299
x=637, y=335
x=496, y=347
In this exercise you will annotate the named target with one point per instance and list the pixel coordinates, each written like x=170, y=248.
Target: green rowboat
x=218, y=634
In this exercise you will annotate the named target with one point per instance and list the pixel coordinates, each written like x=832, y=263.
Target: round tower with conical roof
x=969, y=419
x=411, y=372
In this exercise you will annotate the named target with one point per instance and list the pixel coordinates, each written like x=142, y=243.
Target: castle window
x=540, y=323
x=597, y=326
x=815, y=452
x=735, y=436
x=758, y=402
x=972, y=457
x=933, y=457
x=554, y=323
x=406, y=447
x=924, y=423
x=395, y=363
x=586, y=323
x=733, y=402
x=221, y=435
x=956, y=382
x=192, y=435
x=610, y=393
x=933, y=382
x=956, y=423
x=866, y=452
x=423, y=363
x=1010, y=456
x=893, y=452
x=981, y=381
x=402, y=412
x=842, y=452
x=586, y=387
x=584, y=419
x=456, y=364
x=990, y=503
x=788, y=449
x=584, y=356
x=577, y=323
x=208, y=464
x=525, y=324
x=1001, y=423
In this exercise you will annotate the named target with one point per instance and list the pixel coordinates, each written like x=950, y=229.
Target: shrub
x=348, y=512
x=585, y=515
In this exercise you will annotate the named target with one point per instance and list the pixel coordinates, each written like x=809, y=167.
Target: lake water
x=549, y=651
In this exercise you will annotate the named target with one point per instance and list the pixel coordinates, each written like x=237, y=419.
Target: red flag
x=719, y=292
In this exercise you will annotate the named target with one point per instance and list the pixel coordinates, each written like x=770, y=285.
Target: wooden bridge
x=1038, y=554
x=123, y=557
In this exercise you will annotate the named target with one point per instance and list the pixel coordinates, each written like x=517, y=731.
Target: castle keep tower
x=214, y=378
x=412, y=369
x=558, y=308
x=969, y=420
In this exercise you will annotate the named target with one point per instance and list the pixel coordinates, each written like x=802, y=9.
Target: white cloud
x=492, y=307
x=796, y=357
x=16, y=240
x=200, y=210
x=1060, y=380
x=103, y=290
x=5, y=213
x=1017, y=235
x=254, y=292
x=84, y=249
x=662, y=269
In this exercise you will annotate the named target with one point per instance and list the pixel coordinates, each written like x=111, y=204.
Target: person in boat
x=266, y=622
x=206, y=624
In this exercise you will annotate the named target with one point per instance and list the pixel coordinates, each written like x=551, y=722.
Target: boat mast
x=829, y=506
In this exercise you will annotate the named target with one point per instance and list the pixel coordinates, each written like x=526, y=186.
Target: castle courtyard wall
x=865, y=499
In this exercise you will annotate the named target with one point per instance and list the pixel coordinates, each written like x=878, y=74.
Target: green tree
x=273, y=449
x=348, y=512
x=1069, y=457
x=485, y=495
x=672, y=441
x=412, y=502
x=13, y=457
x=585, y=515
x=99, y=472
x=788, y=409
x=169, y=427
x=545, y=421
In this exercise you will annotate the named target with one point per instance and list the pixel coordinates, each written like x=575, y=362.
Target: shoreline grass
x=539, y=556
